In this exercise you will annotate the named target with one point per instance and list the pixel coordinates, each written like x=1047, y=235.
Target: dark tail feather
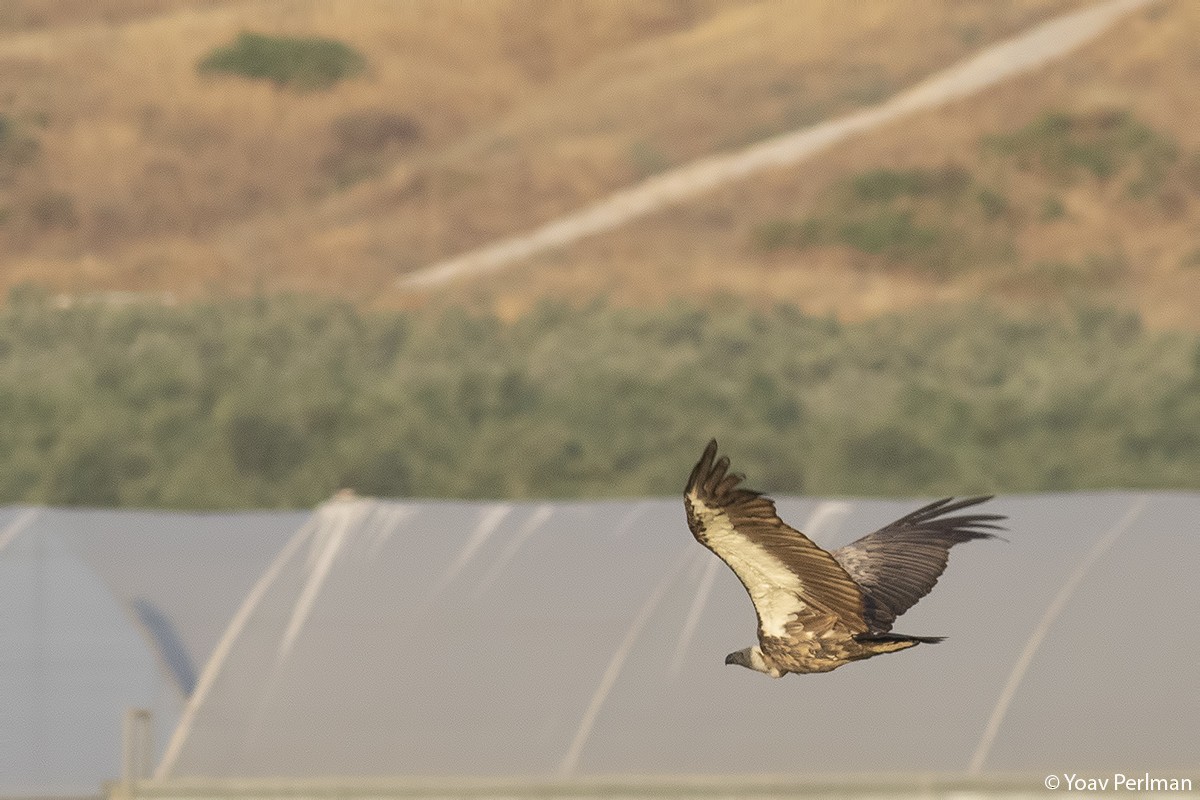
x=898, y=637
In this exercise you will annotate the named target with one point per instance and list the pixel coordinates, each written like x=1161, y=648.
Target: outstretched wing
x=898, y=564
x=792, y=582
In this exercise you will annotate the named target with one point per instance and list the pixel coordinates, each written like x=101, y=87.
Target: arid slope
x=122, y=167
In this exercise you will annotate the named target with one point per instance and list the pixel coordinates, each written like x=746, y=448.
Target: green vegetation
x=946, y=220
x=891, y=232
x=780, y=233
x=1092, y=270
x=993, y=204
x=1052, y=209
x=270, y=403
x=54, y=210
x=648, y=158
x=305, y=62
x=1100, y=144
x=18, y=146
x=915, y=217
x=885, y=185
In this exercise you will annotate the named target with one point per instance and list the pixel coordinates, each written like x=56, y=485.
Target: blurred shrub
x=993, y=204
x=263, y=442
x=884, y=185
x=372, y=130
x=54, y=210
x=302, y=62
x=1052, y=209
x=913, y=219
x=17, y=146
x=890, y=232
x=1094, y=269
x=800, y=234
x=881, y=458
x=1099, y=143
x=648, y=158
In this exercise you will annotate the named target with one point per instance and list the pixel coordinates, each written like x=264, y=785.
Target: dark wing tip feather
x=970, y=526
x=702, y=466
x=711, y=478
x=898, y=564
x=945, y=506
x=727, y=484
x=715, y=475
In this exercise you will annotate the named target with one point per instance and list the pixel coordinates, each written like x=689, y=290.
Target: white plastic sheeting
x=453, y=638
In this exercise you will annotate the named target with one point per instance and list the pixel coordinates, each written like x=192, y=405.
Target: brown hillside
x=1078, y=183
x=123, y=167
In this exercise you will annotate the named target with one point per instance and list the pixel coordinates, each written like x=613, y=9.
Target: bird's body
x=818, y=610
x=810, y=651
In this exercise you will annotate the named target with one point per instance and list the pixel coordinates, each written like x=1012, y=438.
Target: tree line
x=280, y=402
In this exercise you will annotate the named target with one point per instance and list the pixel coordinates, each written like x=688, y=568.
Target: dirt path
x=990, y=66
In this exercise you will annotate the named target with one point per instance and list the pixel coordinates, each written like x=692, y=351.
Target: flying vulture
x=818, y=610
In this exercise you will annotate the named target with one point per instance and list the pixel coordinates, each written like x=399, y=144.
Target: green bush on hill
x=18, y=147
x=885, y=185
x=914, y=217
x=280, y=403
x=302, y=62
x=1100, y=144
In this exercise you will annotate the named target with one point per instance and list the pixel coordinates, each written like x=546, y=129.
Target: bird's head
x=750, y=658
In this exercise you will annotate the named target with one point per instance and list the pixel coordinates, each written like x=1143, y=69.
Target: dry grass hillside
x=55, y=15
x=123, y=166
x=1080, y=183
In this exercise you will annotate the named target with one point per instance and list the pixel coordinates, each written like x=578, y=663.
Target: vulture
x=817, y=609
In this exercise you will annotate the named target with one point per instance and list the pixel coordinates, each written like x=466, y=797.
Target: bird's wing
x=790, y=580
x=898, y=564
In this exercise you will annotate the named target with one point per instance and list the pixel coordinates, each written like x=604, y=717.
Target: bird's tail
x=889, y=642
